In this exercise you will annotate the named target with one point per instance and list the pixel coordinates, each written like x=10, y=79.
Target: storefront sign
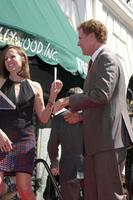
x=32, y=45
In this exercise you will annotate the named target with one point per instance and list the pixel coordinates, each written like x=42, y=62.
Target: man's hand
x=55, y=171
x=72, y=117
x=60, y=103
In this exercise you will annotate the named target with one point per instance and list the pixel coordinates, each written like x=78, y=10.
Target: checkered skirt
x=21, y=158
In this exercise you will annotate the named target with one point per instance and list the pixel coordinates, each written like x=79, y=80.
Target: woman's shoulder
x=35, y=86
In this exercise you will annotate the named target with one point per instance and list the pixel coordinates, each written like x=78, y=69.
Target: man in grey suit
x=70, y=165
x=107, y=128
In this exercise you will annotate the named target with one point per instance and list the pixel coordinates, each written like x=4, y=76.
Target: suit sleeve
x=106, y=78
x=53, y=145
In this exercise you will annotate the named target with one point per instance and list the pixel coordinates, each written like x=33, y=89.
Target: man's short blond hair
x=97, y=27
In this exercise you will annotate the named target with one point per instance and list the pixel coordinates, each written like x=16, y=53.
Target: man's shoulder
x=108, y=55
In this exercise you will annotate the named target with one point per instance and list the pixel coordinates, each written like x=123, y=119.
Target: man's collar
x=95, y=54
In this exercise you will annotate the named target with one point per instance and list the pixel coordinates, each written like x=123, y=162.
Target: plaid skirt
x=20, y=159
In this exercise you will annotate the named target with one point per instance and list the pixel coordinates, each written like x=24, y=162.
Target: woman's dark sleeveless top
x=21, y=118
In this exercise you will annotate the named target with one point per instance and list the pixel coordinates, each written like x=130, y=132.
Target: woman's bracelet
x=50, y=103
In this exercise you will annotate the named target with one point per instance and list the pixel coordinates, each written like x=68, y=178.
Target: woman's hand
x=5, y=143
x=55, y=89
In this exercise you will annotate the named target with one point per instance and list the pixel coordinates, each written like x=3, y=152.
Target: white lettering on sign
x=50, y=53
x=12, y=37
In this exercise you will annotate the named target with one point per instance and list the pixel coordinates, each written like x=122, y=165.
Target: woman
x=17, y=137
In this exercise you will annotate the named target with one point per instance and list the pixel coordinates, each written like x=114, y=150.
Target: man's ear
x=92, y=35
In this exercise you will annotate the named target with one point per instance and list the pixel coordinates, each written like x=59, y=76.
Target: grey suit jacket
x=105, y=116
x=70, y=137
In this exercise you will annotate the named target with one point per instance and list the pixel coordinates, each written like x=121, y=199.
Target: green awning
x=42, y=29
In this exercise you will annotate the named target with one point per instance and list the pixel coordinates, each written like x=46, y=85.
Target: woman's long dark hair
x=24, y=72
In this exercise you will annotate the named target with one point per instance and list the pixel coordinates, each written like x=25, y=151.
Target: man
x=70, y=166
x=107, y=128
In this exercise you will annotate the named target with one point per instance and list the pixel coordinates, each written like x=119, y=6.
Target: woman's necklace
x=17, y=81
